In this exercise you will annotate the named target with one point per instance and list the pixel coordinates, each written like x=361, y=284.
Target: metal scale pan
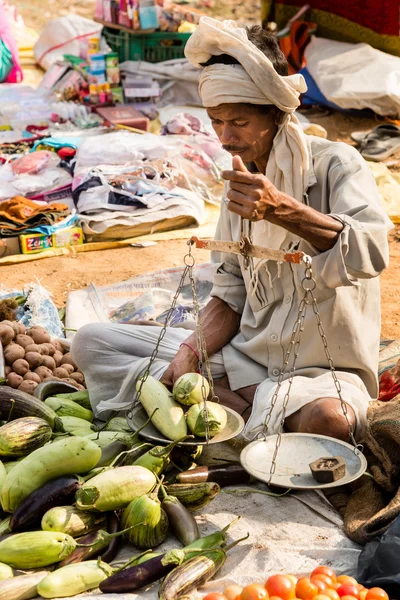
x=138, y=418
x=296, y=452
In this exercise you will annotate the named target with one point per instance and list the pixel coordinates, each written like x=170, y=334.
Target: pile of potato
x=30, y=357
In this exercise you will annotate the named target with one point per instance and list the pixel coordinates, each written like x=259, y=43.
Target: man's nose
x=227, y=135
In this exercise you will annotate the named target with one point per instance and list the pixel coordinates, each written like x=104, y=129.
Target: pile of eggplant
x=71, y=491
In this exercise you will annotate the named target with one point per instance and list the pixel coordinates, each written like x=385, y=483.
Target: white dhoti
x=112, y=358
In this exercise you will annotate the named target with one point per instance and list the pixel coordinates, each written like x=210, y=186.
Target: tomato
x=232, y=591
x=363, y=594
x=324, y=571
x=306, y=589
x=254, y=591
x=324, y=578
x=321, y=585
x=342, y=579
x=348, y=589
x=280, y=585
x=349, y=598
x=377, y=594
x=214, y=596
x=293, y=578
x=333, y=595
x=321, y=597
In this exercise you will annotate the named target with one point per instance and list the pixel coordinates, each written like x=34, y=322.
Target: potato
x=72, y=382
x=57, y=358
x=29, y=376
x=43, y=372
x=19, y=328
x=39, y=335
x=7, y=370
x=51, y=349
x=69, y=368
x=7, y=322
x=20, y=367
x=49, y=362
x=43, y=349
x=60, y=372
x=14, y=380
x=12, y=353
x=6, y=334
x=28, y=386
x=67, y=360
x=78, y=377
x=34, y=359
x=58, y=346
x=23, y=340
x=32, y=348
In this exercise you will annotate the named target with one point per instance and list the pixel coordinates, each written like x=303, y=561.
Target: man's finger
x=238, y=164
x=240, y=177
x=245, y=188
x=240, y=198
x=243, y=211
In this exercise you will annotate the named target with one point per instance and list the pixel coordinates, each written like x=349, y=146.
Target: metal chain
x=204, y=362
x=162, y=332
x=308, y=284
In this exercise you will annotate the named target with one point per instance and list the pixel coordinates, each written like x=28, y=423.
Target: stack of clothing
x=20, y=214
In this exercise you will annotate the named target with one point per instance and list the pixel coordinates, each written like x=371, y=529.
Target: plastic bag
x=378, y=564
x=32, y=163
x=65, y=35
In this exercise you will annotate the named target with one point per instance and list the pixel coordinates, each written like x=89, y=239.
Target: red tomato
x=321, y=585
x=324, y=571
x=214, y=596
x=377, y=594
x=324, y=578
x=346, y=579
x=232, y=591
x=347, y=589
x=306, y=589
x=254, y=591
x=333, y=595
x=280, y=585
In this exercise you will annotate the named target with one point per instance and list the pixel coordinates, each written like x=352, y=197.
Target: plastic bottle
x=148, y=14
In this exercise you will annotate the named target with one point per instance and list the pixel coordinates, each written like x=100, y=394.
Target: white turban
x=255, y=81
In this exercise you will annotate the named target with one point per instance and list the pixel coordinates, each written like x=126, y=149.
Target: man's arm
x=220, y=324
x=254, y=197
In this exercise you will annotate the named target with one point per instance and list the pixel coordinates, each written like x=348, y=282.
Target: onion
x=188, y=389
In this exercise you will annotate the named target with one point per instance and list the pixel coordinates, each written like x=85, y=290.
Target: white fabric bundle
x=255, y=81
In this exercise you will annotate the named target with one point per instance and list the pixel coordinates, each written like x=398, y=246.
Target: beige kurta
x=341, y=184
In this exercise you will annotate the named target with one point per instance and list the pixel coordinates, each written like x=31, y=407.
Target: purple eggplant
x=133, y=578
x=57, y=492
x=222, y=474
x=113, y=526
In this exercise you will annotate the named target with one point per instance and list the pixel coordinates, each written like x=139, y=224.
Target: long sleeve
x=361, y=251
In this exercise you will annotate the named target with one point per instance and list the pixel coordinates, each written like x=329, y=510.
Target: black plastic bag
x=379, y=562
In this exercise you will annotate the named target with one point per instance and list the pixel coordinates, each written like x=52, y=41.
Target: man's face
x=244, y=130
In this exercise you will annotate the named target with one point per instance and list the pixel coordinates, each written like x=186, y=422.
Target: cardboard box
x=124, y=114
x=72, y=236
x=9, y=246
x=37, y=242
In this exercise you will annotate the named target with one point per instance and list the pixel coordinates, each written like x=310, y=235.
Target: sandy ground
x=62, y=274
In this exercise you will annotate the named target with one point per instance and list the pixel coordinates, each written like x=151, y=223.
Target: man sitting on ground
x=299, y=193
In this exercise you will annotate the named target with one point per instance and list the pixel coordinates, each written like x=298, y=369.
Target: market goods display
x=323, y=584
x=31, y=357
x=165, y=409
x=72, y=490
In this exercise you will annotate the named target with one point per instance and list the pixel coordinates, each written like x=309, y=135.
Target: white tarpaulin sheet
x=355, y=76
x=291, y=534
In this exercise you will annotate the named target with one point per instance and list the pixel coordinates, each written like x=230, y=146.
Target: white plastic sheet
x=355, y=76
